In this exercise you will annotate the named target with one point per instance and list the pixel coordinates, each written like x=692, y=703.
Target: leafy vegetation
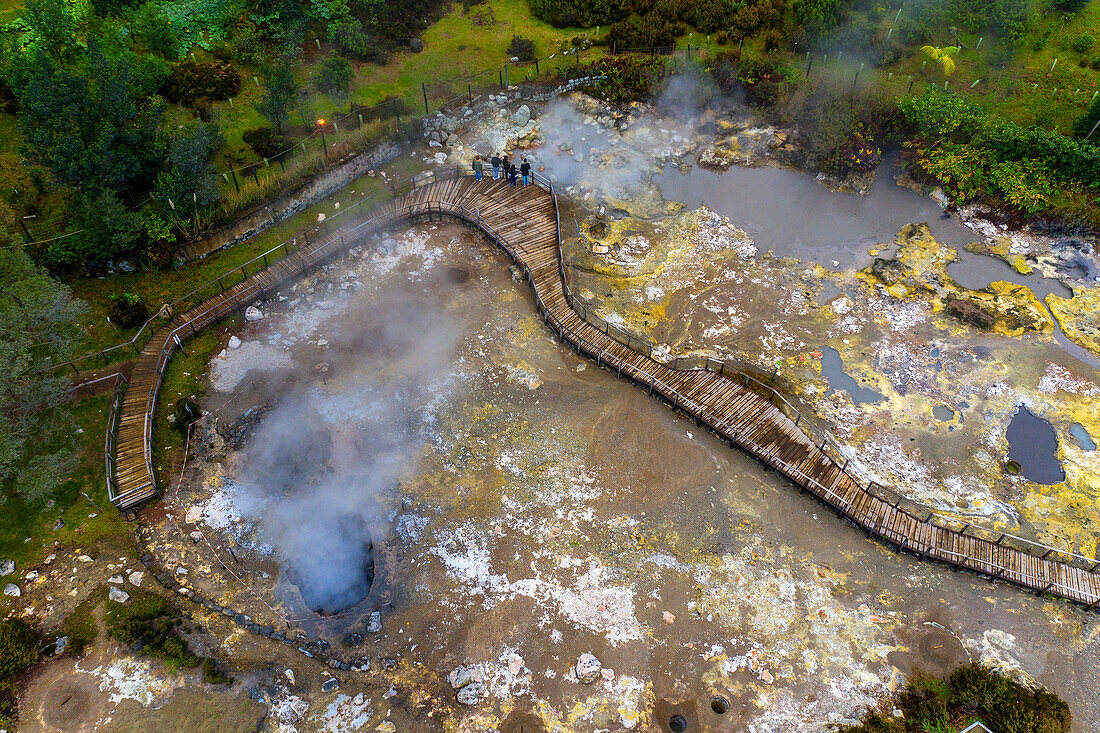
x=37, y=329
x=971, y=693
x=620, y=80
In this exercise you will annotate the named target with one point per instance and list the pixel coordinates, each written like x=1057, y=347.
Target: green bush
x=127, y=310
x=578, y=13
x=213, y=675
x=1083, y=43
x=266, y=143
x=148, y=624
x=971, y=693
x=522, y=48
x=18, y=648
x=334, y=76
x=622, y=79
x=193, y=80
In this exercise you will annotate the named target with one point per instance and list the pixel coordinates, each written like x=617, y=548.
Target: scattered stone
x=452, y=140
x=289, y=675
x=388, y=663
x=61, y=645
x=459, y=677
x=118, y=595
x=7, y=567
x=362, y=664
x=607, y=674
x=83, y=558
x=234, y=342
x=588, y=668
x=470, y=694
x=374, y=625
x=252, y=313
x=353, y=639
x=31, y=576
x=330, y=685
x=668, y=617
x=59, y=524
x=114, y=579
x=11, y=589
x=196, y=536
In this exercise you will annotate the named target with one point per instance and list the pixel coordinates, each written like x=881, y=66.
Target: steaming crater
x=351, y=582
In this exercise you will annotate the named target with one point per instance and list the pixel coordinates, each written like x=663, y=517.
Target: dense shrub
x=154, y=30
x=128, y=310
x=971, y=693
x=840, y=129
x=1084, y=124
x=1083, y=43
x=582, y=13
x=148, y=624
x=1070, y=6
x=974, y=155
x=652, y=30
x=334, y=76
x=522, y=48
x=186, y=411
x=622, y=79
x=18, y=648
x=266, y=143
x=191, y=80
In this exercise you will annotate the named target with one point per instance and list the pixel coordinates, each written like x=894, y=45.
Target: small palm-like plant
x=943, y=57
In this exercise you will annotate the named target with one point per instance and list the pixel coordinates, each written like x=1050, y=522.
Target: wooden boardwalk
x=524, y=222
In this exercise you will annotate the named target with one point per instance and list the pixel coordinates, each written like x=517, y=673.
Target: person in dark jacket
x=525, y=170
x=513, y=174
x=495, y=162
x=506, y=165
x=478, y=167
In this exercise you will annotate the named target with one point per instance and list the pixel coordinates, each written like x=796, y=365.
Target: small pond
x=1033, y=444
x=832, y=366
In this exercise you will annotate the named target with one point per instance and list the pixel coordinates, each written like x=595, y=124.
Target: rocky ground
x=551, y=548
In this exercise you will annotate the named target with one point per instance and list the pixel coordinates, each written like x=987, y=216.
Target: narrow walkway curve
x=524, y=223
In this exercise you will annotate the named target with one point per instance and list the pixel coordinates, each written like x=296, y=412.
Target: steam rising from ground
x=317, y=462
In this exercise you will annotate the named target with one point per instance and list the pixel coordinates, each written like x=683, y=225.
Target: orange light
x=321, y=121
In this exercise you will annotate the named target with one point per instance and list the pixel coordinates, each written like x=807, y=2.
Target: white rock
x=374, y=625
x=459, y=677
x=289, y=675
x=11, y=589
x=470, y=694
x=83, y=558
x=7, y=567
x=234, y=342
x=32, y=575
x=136, y=577
x=588, y=668
x=118, y=595
x=193, y=514
x=252, y=313
x=114, y=579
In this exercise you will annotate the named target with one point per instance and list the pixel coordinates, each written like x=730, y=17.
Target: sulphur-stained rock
x=588, y=668
x=919, y=270
x=1079, y=316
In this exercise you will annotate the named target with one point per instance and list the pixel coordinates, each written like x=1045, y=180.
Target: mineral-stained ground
x=405, y=411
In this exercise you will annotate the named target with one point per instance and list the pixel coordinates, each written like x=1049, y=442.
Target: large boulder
x=588, y=668
x=522, y=115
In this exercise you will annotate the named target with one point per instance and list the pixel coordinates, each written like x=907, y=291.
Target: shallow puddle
x=1084, y=440
x=832, y=366
x=1033, y=444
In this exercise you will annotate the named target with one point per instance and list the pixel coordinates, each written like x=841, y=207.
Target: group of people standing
x=512, y=173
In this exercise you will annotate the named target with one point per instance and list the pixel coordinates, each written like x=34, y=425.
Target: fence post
x=424, y=90
x=470, y=93
x=234, y=180
x=506, y=82
x=536, y=66
x=500, y=78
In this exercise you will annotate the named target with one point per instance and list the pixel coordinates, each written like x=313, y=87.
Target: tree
x=280, y=94
x=186, y=188
x=334, y=76
x=943, y=57
x=90, y=121
x=1085, y=124
x=37, y=330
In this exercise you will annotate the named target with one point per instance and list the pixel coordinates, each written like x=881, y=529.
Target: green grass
x=157, y=287
x=27, y=533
